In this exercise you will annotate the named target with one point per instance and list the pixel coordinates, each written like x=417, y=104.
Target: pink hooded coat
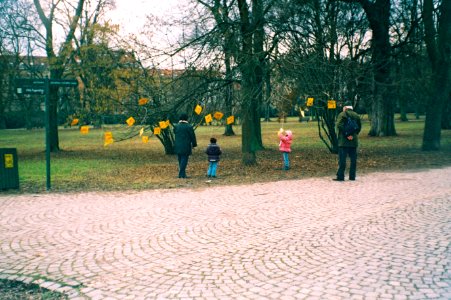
x=285, y=141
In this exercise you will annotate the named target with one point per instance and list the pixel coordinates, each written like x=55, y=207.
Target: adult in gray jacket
x=347, y=144
x=185, y=141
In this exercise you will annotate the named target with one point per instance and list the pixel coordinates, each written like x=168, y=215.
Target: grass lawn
x=84, y=164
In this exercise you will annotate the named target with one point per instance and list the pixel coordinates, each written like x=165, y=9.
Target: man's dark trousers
x=343, y=152
x=183, y=162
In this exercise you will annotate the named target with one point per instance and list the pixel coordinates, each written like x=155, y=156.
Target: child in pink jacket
x=285, y=137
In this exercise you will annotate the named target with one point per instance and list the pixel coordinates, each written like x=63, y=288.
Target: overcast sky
x=130, y=14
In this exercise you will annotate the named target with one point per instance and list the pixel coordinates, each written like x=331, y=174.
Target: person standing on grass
x=347, y=144
x=285, y=138
x=185, y=141
x=213, y=151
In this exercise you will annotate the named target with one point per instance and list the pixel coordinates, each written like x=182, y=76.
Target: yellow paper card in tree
x=74, y=122
x=108, y=135
x=143, y=101
x=84, y=129
x=163, y=124
x=331, y=104
x=108, y=142
x=108, y=138
x=230, y=120
x=198, y=109
x=130, y=121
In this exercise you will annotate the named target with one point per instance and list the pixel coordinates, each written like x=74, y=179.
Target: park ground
x=85, y=164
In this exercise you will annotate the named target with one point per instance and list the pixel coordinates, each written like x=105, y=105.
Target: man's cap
x=183, y=117
x=347, y=105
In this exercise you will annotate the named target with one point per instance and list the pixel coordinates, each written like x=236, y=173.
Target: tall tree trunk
x=382, y=108
x=439, y=52
x=381, y=112
x=400, y=95
x=220, y=12
x=250, y=109
x=228, y=93
x=446, y=115
x=402, y=109
x=252, y=79
x=260, y=67
x=56, y=62
x=268, y=90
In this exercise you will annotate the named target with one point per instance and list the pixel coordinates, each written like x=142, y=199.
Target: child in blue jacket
x=213, y=151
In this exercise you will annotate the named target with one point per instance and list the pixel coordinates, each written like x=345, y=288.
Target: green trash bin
x=9, y=169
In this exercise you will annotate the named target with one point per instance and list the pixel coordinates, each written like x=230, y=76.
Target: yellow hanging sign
x=107, y=142
x=145, y=139
x=218, y=115
x=108, y=135
x=157, y=130
x=230, y=120
x=107, y=138
x=9, y=161
x=130, y=121
x=198, y=109
x=84, y=129
x=143, y=101
x=331, y=104
x=208, y=118
x=163, y=124
x=310, y=101
x=74, y=122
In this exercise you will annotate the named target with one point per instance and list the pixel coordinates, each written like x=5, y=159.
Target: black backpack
x=350, y=126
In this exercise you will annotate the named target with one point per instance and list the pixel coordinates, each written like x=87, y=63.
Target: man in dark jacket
x=347, y=145
x=185, y=141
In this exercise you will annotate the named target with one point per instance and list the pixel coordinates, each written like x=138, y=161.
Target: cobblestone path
x=384, y=236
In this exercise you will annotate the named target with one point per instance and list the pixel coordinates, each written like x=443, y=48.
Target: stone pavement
x=384, y=236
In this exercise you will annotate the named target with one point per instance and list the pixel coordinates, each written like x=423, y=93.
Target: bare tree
x=251, y=60
x=240, y=27
x=438, y=42
x=382, y=104
x=57, y=58
x=221, y=11
x=326, y=59
x=408, y=56
x=17, y=43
